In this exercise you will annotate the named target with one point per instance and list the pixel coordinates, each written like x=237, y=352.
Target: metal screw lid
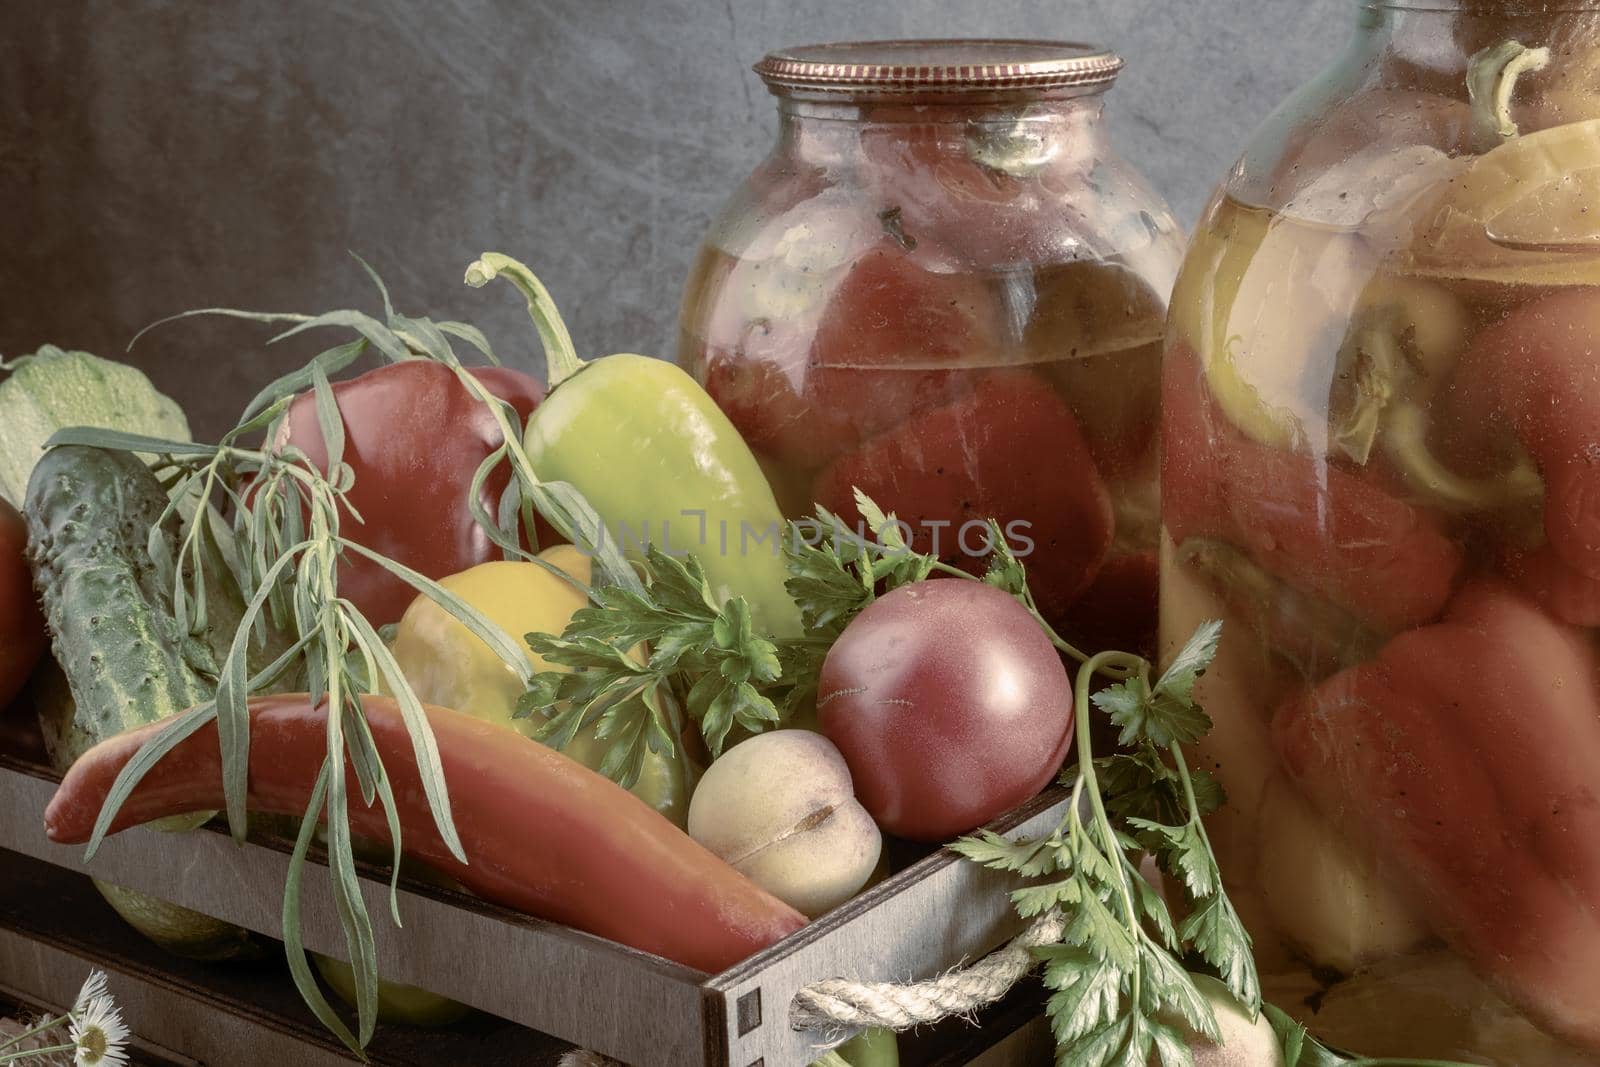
x=939, y=66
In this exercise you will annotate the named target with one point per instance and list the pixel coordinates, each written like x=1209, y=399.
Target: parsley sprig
x=1119, y=984
x=704, y=655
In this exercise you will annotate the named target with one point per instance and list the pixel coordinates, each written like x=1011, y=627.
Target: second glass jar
x=943, y=288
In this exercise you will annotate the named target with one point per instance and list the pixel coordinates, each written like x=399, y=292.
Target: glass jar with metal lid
x=944, y=288
x=1382, y=471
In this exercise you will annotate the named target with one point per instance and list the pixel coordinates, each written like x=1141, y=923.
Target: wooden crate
x=934, y=914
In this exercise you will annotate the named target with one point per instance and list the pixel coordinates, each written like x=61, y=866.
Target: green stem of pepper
x=561, y=356
x=1492, y=81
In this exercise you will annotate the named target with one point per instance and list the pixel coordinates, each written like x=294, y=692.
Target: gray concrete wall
x=156, y=156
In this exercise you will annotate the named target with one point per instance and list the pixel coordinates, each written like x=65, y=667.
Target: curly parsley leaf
x=699, y=647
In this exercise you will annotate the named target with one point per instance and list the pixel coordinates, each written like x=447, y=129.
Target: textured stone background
x=156, y=156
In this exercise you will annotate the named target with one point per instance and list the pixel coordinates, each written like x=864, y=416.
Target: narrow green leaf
x=329, y=419
x=381, y=336
x=269, y=317
x=118, y=441
x=574, y=518
x=481, y=626
x=283, y=389
x=423, y=743
x=177, y=730
x=494, y=525
x=473, y=336
x=383, y=290
x=294, y=948
x=423, y=336
x=347, y=897
x=233, y=693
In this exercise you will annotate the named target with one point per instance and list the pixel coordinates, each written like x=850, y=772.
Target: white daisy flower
x=97, y=1030
x=94, y=987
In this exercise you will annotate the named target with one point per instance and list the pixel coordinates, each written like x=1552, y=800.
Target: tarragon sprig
x=287, y=536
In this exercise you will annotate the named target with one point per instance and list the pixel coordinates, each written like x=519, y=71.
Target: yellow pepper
x=449, y=666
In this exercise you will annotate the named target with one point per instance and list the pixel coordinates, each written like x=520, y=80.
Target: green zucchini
x=125, y=662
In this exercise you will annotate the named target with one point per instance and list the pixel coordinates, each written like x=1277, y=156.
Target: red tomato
x=1009, y=450
x=949, y=704
x=22, y=633
x=891, y=340
x=415, y=436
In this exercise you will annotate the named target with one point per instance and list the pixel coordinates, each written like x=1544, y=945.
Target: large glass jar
x=945, y=289
x=1381, y=436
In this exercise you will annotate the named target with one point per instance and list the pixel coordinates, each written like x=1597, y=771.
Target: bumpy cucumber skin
x=89, y=514
x=112, y=630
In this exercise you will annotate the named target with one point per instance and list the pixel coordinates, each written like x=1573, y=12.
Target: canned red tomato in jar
x=945, y=289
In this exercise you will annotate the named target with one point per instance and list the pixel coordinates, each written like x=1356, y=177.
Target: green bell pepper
x=656, y=458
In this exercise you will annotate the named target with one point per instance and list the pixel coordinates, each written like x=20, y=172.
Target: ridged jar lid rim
x=933, y=65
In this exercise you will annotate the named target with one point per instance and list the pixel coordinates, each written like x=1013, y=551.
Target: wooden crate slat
x=491, y=958
x=935, y=914
x=54, y=927
x=944, y=909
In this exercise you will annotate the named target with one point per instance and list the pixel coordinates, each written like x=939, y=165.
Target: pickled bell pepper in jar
x=1381, y=469
x=945, y=289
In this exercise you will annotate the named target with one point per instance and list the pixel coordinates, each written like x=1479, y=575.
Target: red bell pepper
x=1321, y=529
x=414, y=436
x=1011, y=450
x=1465, y=755
x=1534, y=374
x=22, y=633
x=542, y=833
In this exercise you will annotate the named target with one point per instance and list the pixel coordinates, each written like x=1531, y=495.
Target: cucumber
x=90, y=512
x=123, y=661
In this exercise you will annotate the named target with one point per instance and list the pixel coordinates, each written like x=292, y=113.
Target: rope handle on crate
x=834, y=1007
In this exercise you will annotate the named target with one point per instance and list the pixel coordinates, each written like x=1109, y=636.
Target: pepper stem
x=561, y=357
x=1491, y=82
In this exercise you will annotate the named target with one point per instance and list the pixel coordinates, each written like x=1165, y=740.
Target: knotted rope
x=835, y=1007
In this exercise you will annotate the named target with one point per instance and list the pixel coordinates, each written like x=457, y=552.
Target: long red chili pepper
x=1321, y=529
x=1465, y=755
x=543, y=834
